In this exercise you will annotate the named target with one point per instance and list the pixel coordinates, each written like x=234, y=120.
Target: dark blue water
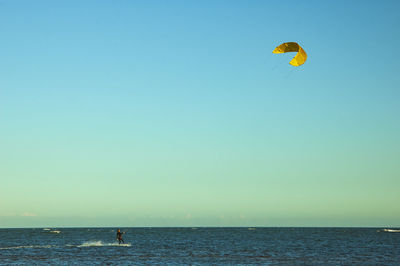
x=80, y=246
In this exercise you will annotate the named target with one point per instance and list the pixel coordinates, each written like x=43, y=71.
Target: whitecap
x=392, y=230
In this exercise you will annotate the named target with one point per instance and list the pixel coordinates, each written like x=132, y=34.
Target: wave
x=101, y=244
x=55, y=231
x=392, y=230
x=31, y=246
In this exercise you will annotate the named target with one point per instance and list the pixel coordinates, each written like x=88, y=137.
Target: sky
x=176, y=113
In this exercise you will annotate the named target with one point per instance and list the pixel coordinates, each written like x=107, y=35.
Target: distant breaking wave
x=85, y=244
x=101, y=244
x=392, y=230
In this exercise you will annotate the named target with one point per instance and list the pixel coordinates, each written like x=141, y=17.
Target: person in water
x=119, y=236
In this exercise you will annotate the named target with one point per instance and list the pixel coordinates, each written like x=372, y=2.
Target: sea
x=201, y=246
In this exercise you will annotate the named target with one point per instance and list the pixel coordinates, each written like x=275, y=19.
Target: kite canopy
x=300, y=57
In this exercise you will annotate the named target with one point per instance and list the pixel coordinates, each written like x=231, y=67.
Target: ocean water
x=198, y=246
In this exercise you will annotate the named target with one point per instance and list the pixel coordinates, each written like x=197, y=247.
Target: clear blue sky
x=176, y=113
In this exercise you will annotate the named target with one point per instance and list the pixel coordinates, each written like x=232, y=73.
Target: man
x=119, y=236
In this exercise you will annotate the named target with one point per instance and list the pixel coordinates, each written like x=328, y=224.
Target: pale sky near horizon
x=176, y=113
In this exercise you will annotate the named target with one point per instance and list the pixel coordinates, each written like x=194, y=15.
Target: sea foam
x=102, y=244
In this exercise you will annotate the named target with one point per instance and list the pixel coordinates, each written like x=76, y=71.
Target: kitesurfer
x=119, y=236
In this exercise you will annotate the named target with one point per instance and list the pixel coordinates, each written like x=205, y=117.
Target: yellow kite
x=300, y=57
